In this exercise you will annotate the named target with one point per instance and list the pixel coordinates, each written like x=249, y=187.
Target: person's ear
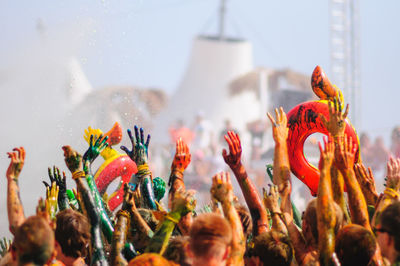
x=227, y=252
x=189, y=251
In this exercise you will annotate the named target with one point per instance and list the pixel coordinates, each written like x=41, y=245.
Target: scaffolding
x=344, y=53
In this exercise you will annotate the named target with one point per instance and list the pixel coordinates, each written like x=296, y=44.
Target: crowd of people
x=348, y=223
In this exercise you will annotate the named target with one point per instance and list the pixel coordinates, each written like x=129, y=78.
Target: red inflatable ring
x=304, y=120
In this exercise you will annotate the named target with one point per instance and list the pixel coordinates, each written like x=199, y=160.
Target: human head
x=355, y=245
x=176, y=250
x=34, y=242
x=388, y=230
x=310, y=227
x=273, y=248
x=210, y=238
x=150, y=259
x=72, y=233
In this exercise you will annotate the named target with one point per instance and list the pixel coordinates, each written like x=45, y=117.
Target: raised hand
x=367, y=182
x=5, y=245
x=17, y=163
x=73, y=159
x=61, y=182
x=327, y=154
x=233, y=159
x=182, y=156
x=95, y=147
x=279, y=126
x=221, y=188
x=183, y=202
x=52, y=199
x=43, y=210
x=393, y=174
x=336, y=124
x=345, y=151
x=271, y=199
x=129, y=199
x=139, y=152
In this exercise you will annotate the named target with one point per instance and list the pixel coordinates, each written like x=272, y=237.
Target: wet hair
x=210, y=234
x=245, y=218
x=72, y=233
x=310, y=217
x=390, y=222
x=273, y=248
x=34, y=241
x=355, y=245
x=176, y=250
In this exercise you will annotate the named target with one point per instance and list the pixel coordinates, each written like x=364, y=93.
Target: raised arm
x=281, y=157
x=119, y=238
x=15, y=209
x=336, y=126
x=234, y=161
x=391, y=193
x=73, y=161
x=271, y=201
x=367, y=183
x=55, y=176
x=181, y=161
x=222, y=191
x=95, y=147
x=345, y=151
x=183, y=203
x=137, y=221
x=139, y=154
x=326, y=217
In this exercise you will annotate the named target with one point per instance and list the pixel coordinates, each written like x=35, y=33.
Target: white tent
x=213, y=64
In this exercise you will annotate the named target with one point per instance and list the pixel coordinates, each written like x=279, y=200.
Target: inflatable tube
x=304, y=120
x=114, y=167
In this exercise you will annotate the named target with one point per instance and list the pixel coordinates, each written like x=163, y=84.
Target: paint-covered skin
x=337, y=183
x=233, y=160
x=222, y=191
x=271, y=202
x=326, y=217
x=51, y=200
x=182, y=204
x=55, y=176
x=139, y=151
x=321, y=85
x=15, y=209
x=345, y=154
x=119, y=238
x=96, y=145
x=367, y=182
x=74, y=163
x=138, y=224
x=106, y=224
x=281, y=159
x=181, y=161
x=147, y=192
x=391, y=193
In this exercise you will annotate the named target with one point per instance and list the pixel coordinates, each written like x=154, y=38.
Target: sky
x=147, y=43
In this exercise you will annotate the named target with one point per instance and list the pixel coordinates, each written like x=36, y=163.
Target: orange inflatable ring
x=304, y=120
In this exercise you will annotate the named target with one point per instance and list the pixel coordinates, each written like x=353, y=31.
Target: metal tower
x=344, y=47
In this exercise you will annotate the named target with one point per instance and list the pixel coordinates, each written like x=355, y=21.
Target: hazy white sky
x=147, y=43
